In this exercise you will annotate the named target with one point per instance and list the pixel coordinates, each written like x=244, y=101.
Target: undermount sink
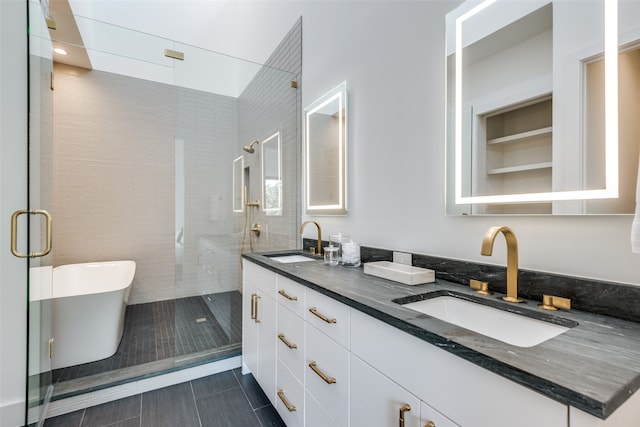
x=287, y=259
x=505, y=326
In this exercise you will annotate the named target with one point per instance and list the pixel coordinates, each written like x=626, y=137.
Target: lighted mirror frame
x=237, y=185
x=272, y=184
x=611, y=119
x=339, y=95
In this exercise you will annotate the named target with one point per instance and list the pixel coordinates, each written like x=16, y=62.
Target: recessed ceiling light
x=60, y=51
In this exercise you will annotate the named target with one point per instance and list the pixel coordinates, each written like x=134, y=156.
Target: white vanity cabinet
x=326, y=354
x=324, y=364
x=378, y=401
x=465, y=393
x=290, y=349
x=259, y=326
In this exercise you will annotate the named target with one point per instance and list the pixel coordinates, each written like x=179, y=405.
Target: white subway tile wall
x=115, y=171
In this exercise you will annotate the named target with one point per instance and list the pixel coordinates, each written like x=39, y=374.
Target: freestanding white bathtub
x=89, y=302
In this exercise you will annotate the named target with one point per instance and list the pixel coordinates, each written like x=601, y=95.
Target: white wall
x=392, y=55
x=13, y=156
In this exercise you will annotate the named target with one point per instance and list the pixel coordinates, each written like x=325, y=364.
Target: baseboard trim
x=12, y=414
x=75, y=403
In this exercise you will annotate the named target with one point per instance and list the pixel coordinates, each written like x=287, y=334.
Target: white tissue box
x=407, y=274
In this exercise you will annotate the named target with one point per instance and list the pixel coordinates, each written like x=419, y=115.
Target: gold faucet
x=512, y=258
x=304, y=224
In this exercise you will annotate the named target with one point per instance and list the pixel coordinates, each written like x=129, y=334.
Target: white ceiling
x=129, y=37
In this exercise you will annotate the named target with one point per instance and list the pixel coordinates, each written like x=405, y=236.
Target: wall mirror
x=238, y=184
x=325, y=154
x=532, y=107
x=271, y=176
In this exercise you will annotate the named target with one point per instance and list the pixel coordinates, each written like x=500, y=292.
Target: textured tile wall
x=269, y=104
x=115, y=171
x=208, y=125
x=114, y=175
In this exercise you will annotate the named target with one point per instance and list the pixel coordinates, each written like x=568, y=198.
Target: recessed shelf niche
x=517, y=147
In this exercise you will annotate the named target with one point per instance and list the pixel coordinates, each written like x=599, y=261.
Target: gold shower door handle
x=14, y=233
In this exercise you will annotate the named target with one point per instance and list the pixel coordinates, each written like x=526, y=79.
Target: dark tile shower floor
x=167, y=329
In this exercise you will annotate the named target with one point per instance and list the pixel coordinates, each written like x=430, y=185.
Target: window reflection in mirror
x=325, y=153
x=238, y=184
x=521, y=112
x=271, y=176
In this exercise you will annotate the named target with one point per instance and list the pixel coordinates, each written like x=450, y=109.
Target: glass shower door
x=39, y=336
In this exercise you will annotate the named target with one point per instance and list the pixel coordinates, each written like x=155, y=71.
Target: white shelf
x=521, y=137
x=521, y=168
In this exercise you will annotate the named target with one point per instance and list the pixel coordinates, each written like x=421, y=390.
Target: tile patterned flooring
x=227, y=399
x=166, y=329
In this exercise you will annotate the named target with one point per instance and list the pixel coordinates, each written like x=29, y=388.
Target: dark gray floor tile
x=131, y=422
x=254, y=393
x=71, y=419
x=169, y=407
x=227, y=409
x=111, y=412
x=269, y=417
x=207, y=386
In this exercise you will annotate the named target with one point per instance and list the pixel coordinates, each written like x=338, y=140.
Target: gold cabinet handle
x=287, y=296
x=287, y=343
x=327, y=379
x=430, y=424
x=286, y=403
x=253, y=306
x=256, y=309
x=406, y=407
x=14, y=233
x=314, y=311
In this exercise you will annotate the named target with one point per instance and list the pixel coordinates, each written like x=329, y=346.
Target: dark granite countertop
x=595, y=366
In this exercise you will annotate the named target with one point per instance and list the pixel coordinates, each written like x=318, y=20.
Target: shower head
x=249, y=148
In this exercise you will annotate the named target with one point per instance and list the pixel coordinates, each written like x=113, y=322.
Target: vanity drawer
x=260, y=278
x=316, y=416
x=291, y=295
x=290, y=397
x=329, y=316
x=327, y=373
x=290, y=346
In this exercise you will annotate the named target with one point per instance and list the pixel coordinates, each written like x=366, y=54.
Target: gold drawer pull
x=406, y=407
x=430, y=424
x=284, y=400
x=287, y=343
x=287, y=296
x=314, y=311
x=255, y=297
x=253, y=306
x=327, y=379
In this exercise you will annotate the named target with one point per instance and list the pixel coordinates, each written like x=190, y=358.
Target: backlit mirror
x=271, y=176
x=238, y=184
x=325, y=153
x=532, y=107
